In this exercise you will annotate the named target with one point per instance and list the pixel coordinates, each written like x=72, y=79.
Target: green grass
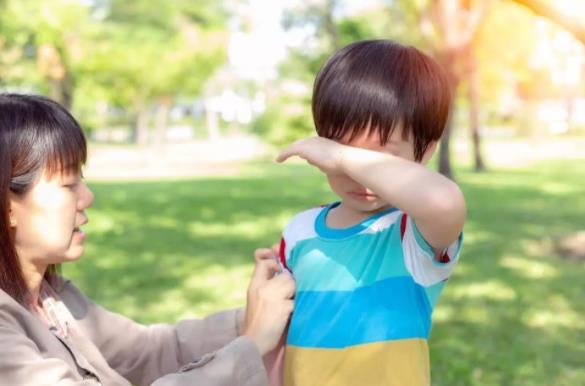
x=513, y=313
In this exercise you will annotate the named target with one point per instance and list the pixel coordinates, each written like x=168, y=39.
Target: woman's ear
x=12, y=219
x=429, y=152
x=11, y=215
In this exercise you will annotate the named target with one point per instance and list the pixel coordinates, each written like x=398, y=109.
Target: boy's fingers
x=288, y=152
x=284, y=155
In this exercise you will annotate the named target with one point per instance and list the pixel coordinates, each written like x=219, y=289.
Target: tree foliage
x=131, y=54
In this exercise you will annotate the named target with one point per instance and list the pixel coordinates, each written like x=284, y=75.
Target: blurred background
x=185, y=104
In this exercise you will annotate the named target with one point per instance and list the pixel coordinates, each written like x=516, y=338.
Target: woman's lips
x=79, y=233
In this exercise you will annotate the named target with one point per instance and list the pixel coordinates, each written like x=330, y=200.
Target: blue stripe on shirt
x=380, y=312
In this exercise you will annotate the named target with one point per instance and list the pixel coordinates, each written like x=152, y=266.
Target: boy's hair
x=379, y=85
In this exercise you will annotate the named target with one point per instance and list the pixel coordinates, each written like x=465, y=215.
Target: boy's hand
x=321, y=152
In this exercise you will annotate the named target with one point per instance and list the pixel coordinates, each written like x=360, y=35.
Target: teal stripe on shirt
x=326, y=265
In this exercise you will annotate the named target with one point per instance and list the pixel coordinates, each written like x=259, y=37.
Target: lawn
x=513, y=313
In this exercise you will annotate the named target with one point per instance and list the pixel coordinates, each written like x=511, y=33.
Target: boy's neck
x=344, y=216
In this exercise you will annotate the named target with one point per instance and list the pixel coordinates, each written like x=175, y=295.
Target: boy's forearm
x=434, y=201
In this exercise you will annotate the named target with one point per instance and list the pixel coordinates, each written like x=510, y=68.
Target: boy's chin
x=367, y=207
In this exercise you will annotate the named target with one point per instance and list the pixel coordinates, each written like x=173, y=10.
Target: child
x=370, y=268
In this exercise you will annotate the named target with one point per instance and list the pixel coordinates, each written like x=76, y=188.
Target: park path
x=223, y=156
x=518, y=153
x=172, y=160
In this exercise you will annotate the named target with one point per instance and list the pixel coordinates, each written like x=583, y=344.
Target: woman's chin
x=74, y=253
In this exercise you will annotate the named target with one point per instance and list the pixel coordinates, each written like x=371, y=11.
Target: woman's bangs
x=66, y=152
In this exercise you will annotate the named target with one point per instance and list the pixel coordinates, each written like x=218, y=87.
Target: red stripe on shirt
x=403, y=226
x=445, y=258
x=282, y=254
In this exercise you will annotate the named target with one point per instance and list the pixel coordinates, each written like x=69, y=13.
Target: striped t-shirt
x=364, y=300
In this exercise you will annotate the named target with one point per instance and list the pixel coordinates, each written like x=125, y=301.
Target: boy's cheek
x=339, y=183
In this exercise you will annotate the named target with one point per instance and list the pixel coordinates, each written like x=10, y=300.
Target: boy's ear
x=429, y=152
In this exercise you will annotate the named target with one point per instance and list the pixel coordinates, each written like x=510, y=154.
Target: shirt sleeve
x=426, y=267
x=299, y=228
x=195, y=350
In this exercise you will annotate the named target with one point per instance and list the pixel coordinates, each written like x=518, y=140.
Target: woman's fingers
x=269, y=301
x=266, y=263
x=265, y=254
x=289, y=305
x=264, y=270
x=275, y=248
x=283, y=286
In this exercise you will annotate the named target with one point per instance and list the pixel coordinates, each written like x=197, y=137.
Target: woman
x=51, y=333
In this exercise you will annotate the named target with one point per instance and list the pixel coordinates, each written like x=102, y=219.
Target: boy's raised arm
x=435, y=202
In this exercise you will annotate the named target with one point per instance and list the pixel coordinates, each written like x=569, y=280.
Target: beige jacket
x=107, y=349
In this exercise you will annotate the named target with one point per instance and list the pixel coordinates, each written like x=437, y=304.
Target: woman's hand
x=269, y=301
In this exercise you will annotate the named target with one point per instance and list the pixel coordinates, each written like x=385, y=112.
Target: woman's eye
x=70, y=186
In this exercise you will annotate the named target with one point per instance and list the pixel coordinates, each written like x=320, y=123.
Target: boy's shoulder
x=300, y=227
x=303, y=220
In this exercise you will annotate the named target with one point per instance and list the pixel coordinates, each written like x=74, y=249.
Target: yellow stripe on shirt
x=391, y=363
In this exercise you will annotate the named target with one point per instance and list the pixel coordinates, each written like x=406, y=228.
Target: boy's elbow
x=449, y=206
x=441, y=222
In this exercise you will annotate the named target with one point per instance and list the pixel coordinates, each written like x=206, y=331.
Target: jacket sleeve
x=236, y=364
x=21, y=362
x=203, y=352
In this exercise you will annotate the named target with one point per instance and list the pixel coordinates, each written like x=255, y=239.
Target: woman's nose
x=85, y=196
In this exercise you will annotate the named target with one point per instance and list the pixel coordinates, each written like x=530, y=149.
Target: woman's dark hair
x=378, y=85
x=37, y=135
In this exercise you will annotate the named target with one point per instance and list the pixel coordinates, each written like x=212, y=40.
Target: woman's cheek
x=56, y=234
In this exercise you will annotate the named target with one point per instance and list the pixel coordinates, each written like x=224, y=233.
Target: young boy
x=370, y=268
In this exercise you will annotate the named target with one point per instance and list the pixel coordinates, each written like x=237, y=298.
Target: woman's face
x=47, y=219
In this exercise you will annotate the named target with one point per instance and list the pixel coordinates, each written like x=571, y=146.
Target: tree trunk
x=330, y=26
x=212, y=123
x=457, y=23
x=448, y=59
x=61, y=90
x=162, y=119
x=444, y=149
x=53, y=66
x=140, y=124
x=474, y=107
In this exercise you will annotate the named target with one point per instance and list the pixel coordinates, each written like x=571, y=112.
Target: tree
x=571, y=21
x=568, y=22
x=145, y=55
x=133, y=55
x=288, y=115
x=473, y=95
x=451, y=27
x=51, y=33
